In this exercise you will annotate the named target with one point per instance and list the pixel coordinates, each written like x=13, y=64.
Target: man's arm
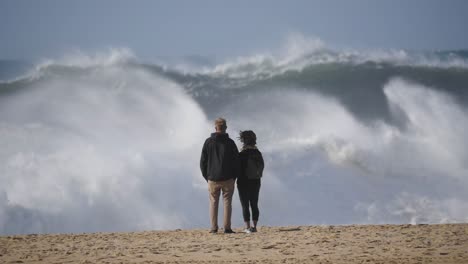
x=204, y=162
x=237, y=170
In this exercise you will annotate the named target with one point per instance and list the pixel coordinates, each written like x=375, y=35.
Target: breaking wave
x=107, y=143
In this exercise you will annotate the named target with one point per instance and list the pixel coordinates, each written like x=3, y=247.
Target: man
x=219, y=164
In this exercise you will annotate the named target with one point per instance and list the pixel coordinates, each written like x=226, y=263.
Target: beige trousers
x=215, y=188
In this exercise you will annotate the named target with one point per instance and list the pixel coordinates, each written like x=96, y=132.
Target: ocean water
x=106, y=142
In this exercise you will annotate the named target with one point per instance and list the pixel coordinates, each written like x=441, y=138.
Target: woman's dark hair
x=248, y=137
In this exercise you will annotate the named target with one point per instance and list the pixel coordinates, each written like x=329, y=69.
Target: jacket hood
x=219, y=135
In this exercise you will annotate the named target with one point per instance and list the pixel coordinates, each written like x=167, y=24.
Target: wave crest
x=300, y=52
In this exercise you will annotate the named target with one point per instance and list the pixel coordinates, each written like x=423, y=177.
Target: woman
x=249, y=181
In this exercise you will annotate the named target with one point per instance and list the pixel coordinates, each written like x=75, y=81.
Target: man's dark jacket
x=219, y=158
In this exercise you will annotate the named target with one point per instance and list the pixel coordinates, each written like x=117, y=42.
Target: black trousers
x=248, y=194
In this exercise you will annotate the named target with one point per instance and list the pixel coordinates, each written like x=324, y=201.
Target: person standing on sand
x=249, y=181
x=219, y=164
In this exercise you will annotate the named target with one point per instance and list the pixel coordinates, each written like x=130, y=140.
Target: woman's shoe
x=253, y=229
x=247, y=231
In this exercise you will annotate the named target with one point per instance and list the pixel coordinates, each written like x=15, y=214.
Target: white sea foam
x=313, y=141
x=116, y=148
x=415, y=209
x=98, y=151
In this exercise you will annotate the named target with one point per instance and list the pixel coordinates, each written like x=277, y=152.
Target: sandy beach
x=446, y=243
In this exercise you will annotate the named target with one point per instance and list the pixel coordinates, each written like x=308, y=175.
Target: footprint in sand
x=268, y=247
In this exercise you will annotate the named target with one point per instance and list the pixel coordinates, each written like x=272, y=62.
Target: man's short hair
x=220, y=123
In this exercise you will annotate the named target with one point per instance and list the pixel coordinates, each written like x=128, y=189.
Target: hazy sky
x=48, y=28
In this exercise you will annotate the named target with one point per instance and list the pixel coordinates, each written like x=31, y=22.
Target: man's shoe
x=229, y=231
x=253, y=229
x=213, y=231
x=247, y=231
